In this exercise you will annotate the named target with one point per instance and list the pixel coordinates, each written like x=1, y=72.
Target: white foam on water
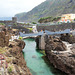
x=68, y=46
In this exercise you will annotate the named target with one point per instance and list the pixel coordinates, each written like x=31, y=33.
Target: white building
x=34, y=29
x=67, y=18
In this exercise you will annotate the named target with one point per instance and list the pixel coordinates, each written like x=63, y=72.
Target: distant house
x=67, y=18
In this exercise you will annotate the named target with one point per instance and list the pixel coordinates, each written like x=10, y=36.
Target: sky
x=8, y=8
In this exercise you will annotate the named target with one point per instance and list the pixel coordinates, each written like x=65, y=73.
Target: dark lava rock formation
x=19, y=61
x=68, y=38
x=60, y=56
x=55, y=44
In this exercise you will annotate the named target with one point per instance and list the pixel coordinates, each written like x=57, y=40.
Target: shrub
x=15, y=24
x=10, y=69
x=33, y=22
x=43, y=52
x=20, y=38
x=2, y=24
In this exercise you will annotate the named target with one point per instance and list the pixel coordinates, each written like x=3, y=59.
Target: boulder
x=16, y=42
x=20, y=43
x=55, y=44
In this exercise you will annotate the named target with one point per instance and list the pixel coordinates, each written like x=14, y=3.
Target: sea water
x=36, y=62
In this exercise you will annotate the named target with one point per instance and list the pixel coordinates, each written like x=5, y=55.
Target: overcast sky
x=9, y=8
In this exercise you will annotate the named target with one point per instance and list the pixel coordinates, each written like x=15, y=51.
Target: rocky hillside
x=20, y=15
x=48, y=8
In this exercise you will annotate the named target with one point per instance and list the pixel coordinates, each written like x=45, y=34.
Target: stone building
x=14, y=19
x=10, y=22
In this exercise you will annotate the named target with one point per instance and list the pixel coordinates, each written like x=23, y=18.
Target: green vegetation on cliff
x=48, y=19
x=20, y=15
x=2, y=24
x=52, y=8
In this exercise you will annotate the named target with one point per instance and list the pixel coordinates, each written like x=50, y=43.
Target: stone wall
x=57, y=27
x=10, y=22
x=21, y=28
x=7, y=22
x=13, y=62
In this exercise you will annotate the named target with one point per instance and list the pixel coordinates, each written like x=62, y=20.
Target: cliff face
x=70, y=7
x=14, y=59
x=19, y=61
x=61, y=55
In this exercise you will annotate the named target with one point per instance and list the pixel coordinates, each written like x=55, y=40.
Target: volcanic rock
x=61, y=57
x=55, y=44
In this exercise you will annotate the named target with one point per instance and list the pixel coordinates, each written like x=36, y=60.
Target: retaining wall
x=57, y=27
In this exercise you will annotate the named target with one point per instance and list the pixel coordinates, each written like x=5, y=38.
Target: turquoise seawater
x=37, y=63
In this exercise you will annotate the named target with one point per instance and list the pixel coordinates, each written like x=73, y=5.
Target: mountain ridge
x=52, y=8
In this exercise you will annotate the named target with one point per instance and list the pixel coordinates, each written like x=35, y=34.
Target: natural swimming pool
x=37, y=63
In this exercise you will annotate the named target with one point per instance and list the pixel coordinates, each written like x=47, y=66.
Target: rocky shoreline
x=62, y=61
x=13, y=55
x=12, y=61
x=60, y=53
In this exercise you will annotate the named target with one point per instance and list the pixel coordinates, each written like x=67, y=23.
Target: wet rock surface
x=61, y=55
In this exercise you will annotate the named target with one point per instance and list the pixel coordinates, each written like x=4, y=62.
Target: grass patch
x=10, y=69
x=43, y=52
x=30, y=29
